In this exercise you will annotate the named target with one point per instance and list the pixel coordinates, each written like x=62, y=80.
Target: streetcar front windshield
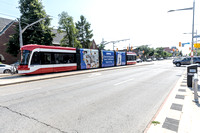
x=131, y=57
x=25, y=56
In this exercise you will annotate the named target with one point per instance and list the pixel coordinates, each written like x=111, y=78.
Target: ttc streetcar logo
x=108, y=53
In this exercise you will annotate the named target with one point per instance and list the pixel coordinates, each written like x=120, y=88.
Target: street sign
x=183, y=44
x=197, y=36
x=197, y=45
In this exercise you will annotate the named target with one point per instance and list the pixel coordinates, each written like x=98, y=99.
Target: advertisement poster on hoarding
x=120, y=58
x=107, y=58
x=89, y=58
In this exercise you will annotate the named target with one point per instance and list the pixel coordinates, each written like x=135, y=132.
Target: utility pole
x=193, y=9
x=113, y=42
x=192, y=54
x=22, y=31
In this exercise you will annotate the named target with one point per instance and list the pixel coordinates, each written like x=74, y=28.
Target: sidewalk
x=178, y=114
x=14, y=79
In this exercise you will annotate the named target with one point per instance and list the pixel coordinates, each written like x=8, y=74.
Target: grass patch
x=155, y=122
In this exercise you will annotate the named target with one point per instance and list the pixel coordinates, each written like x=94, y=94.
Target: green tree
x=66, y=25
x=164, y=54
x=146, y=50
x=151, y=51
x=84, y=32
x=101, y=46
x=169, y=54
x=198, y=52
x=40, y=33
x=180, y=53
x=160, y=52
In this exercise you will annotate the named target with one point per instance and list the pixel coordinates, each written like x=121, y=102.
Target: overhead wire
x=6, y=2
x=8, y=15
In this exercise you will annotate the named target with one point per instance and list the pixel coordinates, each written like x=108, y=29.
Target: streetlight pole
x=113, y=42
x=20, y=34
x=191, y=8
x=22, y=31
x=192, y=33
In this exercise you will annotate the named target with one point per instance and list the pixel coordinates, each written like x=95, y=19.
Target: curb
x=5, y=75
x=70, y=73
x=180, y=113
x=163, y=103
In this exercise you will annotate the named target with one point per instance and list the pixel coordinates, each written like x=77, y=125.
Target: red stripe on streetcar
x=31, y=47
x=23, y=67
x=131, y=63
x=52, y=69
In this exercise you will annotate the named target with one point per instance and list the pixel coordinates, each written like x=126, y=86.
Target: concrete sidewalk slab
x=178, y=114
x=5, y=75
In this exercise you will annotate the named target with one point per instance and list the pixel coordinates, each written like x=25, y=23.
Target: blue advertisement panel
x=120, y=58
x=107, y=58
x=89, y=58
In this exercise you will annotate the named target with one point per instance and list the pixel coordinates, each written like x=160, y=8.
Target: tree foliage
x=40, y=33
x=151, y=52
x=66, y=25
x=84, y=32
x=101, y=46
x=147, y=51
x=159, y=52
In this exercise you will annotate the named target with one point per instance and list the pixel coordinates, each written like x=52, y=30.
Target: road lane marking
x=94, y=75
x=123, y=82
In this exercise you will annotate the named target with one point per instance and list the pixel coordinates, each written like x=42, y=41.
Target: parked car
x=149, y=60
x=15, y=65
x=154, y=59
x=138, y=60
x=185, y=61
x=4, y=68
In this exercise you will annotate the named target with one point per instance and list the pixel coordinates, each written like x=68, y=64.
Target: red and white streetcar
x=130, y=58
x=37, y=59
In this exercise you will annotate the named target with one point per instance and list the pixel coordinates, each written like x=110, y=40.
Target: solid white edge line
x=123, y=82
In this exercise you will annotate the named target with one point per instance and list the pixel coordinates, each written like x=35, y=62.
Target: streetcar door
x=35, y=66
x=46, y=61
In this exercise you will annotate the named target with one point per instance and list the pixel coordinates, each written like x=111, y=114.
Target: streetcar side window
x=25, y=56
x=45, y=58
x=64, y=58
x=35, y=59
x=131, y=57
x=52, y=58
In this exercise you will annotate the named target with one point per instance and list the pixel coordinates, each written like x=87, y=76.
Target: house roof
x=4, y=24
x=58, y=37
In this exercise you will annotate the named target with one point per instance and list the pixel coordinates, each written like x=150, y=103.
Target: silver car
x=5, y=68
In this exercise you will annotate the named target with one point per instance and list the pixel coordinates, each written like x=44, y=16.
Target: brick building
x=7, y=28
x=93, y=45
x=167, y=49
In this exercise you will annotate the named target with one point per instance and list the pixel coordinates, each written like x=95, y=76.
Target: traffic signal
x=179, y=44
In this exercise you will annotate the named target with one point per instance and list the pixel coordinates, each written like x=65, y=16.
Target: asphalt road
x=114, y=101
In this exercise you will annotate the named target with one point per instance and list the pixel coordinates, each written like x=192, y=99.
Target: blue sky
x=144, y=22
